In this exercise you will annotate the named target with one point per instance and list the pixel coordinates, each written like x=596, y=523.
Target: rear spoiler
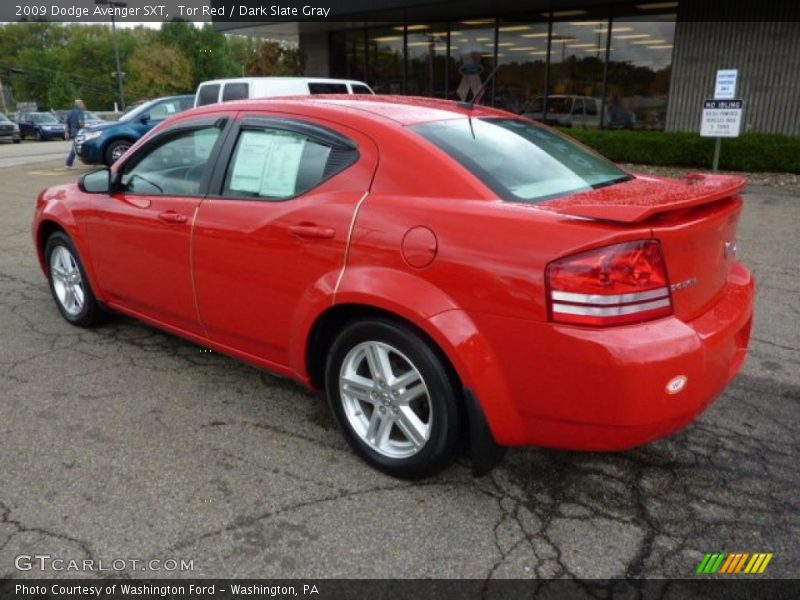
x=645, y=196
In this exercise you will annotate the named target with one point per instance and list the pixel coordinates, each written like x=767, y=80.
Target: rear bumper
x=606, y=389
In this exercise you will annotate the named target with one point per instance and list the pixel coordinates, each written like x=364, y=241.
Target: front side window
x=272, y=164
x=174, y=168
x=360, y=89
x=519, y=160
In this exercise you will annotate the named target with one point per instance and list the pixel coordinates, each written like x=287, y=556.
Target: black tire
x=91, y=313
x=17, y=141
x=442, y=401
x=113, y=148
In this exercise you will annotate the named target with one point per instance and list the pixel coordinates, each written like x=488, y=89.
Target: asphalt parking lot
x=127, y=443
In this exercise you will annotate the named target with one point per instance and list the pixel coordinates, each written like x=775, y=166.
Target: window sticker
x=267, y=163
x=170, y=108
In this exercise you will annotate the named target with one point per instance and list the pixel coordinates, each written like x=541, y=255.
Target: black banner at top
x=275, y=11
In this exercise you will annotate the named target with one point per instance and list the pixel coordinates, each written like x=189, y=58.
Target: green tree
x=206, y=49
x=272, y=58
x=158, y=70
x=243, y=50
x=62, y=92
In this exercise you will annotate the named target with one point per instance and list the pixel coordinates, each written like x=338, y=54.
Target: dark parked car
x=40, y=125
x=105, y=143
x=9, y=131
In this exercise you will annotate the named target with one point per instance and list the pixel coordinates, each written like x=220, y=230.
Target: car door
x=274, y=235
x=25, y=128
x=140, y=234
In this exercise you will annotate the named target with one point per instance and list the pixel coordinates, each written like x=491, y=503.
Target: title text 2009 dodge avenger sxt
x=444, y=273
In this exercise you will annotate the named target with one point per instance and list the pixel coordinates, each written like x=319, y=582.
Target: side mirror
x=96, y=182
x=145, y=118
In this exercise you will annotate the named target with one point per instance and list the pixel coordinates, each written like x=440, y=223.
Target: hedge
x=750, y=152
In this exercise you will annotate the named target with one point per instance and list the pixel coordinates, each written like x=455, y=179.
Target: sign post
x=722, y=115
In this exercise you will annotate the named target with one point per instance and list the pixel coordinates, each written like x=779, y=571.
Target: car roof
x=280, y=79
x=404, y=110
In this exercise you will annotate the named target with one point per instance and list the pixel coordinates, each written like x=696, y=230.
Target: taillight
x=615, y=285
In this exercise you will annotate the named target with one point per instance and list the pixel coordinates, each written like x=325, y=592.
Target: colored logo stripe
x=722, y=562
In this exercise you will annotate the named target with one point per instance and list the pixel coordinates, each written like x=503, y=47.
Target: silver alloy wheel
x=385, y=399
x=118, y=151
x=67, y=280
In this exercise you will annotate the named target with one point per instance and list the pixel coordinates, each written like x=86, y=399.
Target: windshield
x=519, y=160
x=90, y=116
x=137, y=111
x=3, y=117
x=43, y=118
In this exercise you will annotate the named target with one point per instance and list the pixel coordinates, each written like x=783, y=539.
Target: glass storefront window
x=349, y=54
x=471, y=58
x=427, y=60
x=385, y=66
x=639, y=69
x=572, y=85
x=522, y=56
x=577, y=64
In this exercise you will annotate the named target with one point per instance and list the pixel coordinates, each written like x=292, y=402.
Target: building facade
x=643, y=65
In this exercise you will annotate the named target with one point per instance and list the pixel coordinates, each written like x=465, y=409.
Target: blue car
x=105, y=143
x=40, y=125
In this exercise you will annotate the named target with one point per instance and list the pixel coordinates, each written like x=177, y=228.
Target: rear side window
x=327, y=88
x=186, y=103
x=272, y=164
x=519, y=160
x=360, y=89
x=208, y=94
x=235, y=91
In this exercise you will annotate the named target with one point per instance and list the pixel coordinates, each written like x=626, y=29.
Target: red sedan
x=446, y=274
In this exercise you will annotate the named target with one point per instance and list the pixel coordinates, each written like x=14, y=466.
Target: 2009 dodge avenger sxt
x=445, y=273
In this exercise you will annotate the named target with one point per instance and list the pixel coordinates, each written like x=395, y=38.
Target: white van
x=242, y=88
x=566, y=111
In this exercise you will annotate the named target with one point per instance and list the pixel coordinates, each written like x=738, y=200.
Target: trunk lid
x=695, y=219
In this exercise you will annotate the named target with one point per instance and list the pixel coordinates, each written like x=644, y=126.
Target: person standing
x=74, y=125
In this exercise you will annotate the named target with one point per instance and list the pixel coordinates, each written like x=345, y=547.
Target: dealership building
x=640, y=65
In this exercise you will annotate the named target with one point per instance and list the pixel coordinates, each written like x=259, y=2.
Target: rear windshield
x=208, y=94
x=521, y=161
